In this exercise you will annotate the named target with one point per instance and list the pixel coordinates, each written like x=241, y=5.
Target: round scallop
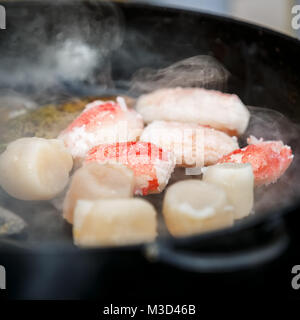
x=96, y=181
x=238, y=182
x=114, y=222
x=194, y=206
x=35, y=168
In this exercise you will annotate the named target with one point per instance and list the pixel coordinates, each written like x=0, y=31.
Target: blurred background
x=275, y=14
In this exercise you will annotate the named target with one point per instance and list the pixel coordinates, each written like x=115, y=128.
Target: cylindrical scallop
x=219, y=110
x=97, y=181
x=114, y=222
x=238, y=182
x=35, y=168
x=192, y=144
x=194, y=206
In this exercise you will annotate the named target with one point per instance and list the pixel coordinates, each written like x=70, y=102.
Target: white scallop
x=194, y=206
x=238, y=182
x=114, y=222
x=35, y=168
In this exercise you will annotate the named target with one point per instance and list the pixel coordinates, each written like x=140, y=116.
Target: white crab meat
x=101, y=122
x=193, y=145
x=152, y=166
x=221, y=111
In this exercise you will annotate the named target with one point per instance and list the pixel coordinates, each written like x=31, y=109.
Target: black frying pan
x=118, y=40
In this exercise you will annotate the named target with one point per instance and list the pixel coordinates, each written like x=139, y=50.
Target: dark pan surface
x=122, y=39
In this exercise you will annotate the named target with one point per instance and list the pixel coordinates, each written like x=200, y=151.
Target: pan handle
x=219, y=262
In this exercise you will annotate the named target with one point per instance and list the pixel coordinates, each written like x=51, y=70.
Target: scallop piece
x=113, y=222
x=194, y=206
x=95, y=181
x=238, y=182
x=35, y=168
x=219, y=110
x=193, y=145
x=101, y=122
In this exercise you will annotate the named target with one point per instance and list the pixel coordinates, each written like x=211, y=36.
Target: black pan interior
x=40, y=46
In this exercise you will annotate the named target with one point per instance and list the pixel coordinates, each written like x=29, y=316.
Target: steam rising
x=271, y=125
x=199, y=71
x=75, y=59
x=61, y=46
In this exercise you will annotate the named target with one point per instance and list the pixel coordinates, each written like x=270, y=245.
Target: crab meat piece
x=193, y=145
x=35, y=168
x=152, y=166
x=221, y=111
x=194, y=206
x=114, y=222
x=94, y=181
x=238, y=182
x=269, y=159
x=101, y=122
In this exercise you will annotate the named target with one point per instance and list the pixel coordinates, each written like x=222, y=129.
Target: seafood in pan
x=106, y=163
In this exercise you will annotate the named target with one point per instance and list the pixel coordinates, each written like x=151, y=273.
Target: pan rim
x=252, y=221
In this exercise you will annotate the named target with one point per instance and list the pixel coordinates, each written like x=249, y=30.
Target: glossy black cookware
x=265, y=72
